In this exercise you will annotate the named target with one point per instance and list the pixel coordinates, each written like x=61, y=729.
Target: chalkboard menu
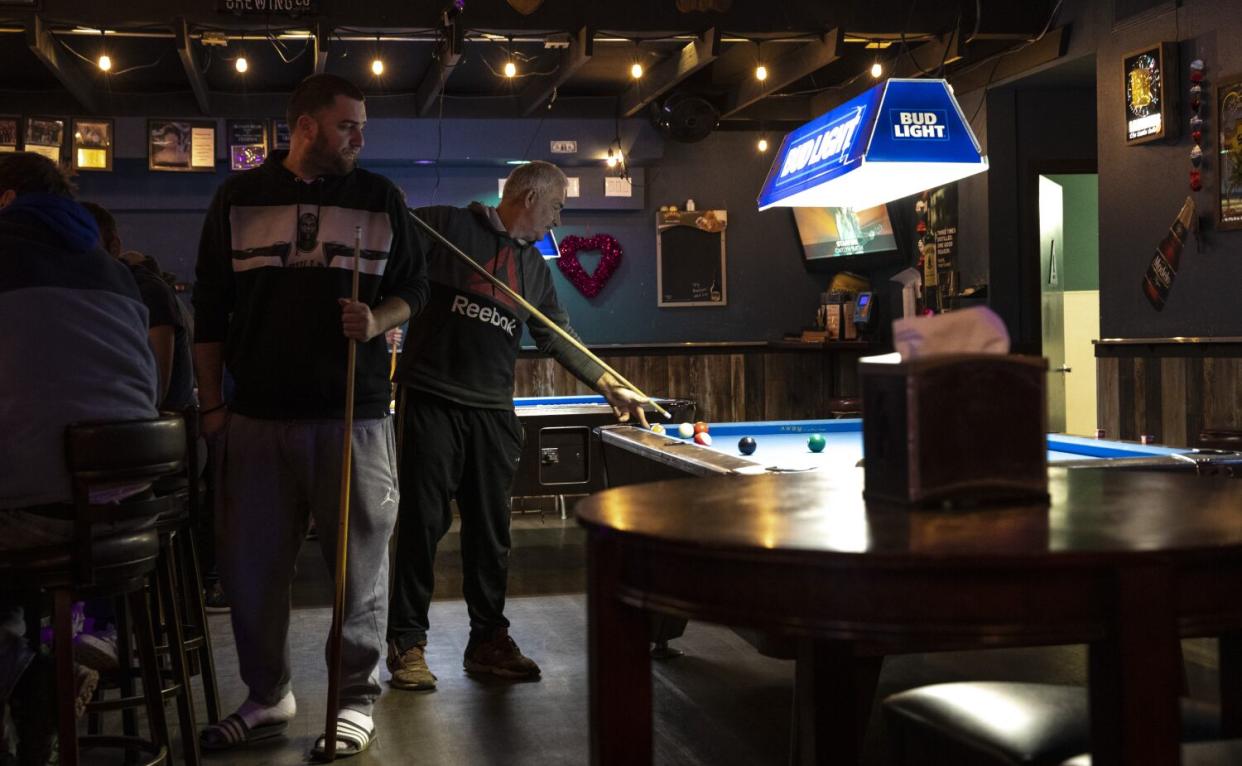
x=690, y=258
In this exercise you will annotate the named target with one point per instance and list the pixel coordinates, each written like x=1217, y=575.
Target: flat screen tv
x=844, y=239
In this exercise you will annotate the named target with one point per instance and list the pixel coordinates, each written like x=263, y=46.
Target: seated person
x=167, y=331
x=74, y=349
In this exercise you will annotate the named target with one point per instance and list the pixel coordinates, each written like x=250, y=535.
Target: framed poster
x=280, y=135
x=92, y=144
x=1150, y=87
x=181, y=145
x=247, y=143
x=8, y=133
x=46, y=136
x=690, y=258
x=1229, y=115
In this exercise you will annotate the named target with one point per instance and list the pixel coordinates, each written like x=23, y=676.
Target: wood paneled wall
x=727, y=382
x=1172, y=391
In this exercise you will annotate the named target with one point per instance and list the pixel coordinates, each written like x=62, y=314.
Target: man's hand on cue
x=357, y=321
x=626, y=402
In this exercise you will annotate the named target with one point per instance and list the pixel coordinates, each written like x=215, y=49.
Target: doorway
x=1070, y=297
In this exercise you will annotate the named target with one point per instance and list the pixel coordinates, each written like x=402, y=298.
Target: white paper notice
x=203, y=147
x=572, y=189
x=618, y=187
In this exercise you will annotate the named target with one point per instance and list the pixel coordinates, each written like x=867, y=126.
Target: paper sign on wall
x=572, y=189
x=618, y=187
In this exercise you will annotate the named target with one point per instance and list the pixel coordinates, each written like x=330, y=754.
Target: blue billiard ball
x=746, y=445
x=816, y=443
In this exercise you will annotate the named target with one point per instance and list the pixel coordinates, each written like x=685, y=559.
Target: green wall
x=1082, y=231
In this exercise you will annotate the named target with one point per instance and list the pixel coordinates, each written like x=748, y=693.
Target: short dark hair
x=318, y=92
x=107, y=227
x=27, y=172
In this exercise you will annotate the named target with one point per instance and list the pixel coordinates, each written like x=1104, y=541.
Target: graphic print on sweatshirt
x=292, y=236
x=505, y=268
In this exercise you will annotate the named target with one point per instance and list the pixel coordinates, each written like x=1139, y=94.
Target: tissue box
x=955, y=430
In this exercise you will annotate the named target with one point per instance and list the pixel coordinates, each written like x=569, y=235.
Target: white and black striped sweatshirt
x=275, y=255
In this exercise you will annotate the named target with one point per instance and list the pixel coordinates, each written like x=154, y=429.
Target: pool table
x=634, y=455
x=559, y=456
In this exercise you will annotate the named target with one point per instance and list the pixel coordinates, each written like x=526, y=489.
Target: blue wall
x=769, y=291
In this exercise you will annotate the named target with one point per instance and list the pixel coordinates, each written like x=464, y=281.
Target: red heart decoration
x=589, y=285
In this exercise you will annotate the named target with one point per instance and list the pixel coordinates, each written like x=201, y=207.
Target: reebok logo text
x=486, y=314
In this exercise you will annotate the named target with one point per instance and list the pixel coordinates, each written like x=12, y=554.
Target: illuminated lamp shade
x=900, y=137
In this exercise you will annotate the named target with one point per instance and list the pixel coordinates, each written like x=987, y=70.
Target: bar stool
x=113, y=550
x=995, y=723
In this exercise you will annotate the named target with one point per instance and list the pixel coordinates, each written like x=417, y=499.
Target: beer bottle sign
x=1163, y=267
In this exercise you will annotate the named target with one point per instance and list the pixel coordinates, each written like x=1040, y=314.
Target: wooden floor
x=721, y=703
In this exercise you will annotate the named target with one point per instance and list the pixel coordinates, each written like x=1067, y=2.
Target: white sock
x=255, y=714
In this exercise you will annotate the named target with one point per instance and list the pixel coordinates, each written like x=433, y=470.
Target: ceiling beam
x=541, y=87
x=448, y=53
x=1007, y=65
x=323, y=36
x=47, y=50
x=787, y=69
x=914, y=62
x=665, y=75
x=189, y=62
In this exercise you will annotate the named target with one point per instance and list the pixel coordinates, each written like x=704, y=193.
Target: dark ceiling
x=574, y=58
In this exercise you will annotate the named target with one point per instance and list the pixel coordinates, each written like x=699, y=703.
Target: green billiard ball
x=816, y=443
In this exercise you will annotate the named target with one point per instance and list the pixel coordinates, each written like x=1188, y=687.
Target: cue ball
x=686, y=430
x=816, y=443
x=700, y=427
x=704, y=438
x=656, y=428
x=746, y=445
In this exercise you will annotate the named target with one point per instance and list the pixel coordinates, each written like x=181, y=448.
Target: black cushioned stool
x=1224, y=753
x=992, y=723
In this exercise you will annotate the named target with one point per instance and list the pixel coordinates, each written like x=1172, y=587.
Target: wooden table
x=1123, y=561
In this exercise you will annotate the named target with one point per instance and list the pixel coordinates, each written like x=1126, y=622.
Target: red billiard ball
x=704, y=438
x=701, y=427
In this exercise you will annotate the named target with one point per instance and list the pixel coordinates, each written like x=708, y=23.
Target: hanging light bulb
x=612, y=159
x=377, y=67
x=761, y=73
x=241, y=64
x=636, y=70
x=876, y=70
x=762, y=145
x=510, y=69
x=105, y=62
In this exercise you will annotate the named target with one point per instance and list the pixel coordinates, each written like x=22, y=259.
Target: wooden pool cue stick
x=342, y=534
x=536, y=313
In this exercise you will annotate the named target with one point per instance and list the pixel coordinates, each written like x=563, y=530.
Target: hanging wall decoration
x=1196, y=124
x=610, y=252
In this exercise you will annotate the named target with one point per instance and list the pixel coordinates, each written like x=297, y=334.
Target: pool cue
x=536, y=313
x=342, y=535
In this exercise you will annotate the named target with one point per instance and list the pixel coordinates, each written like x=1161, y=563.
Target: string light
x=241, y=64
x=636, y=70
x=105, y=62
x=377, y=67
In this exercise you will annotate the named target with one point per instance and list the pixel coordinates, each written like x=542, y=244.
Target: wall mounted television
x=836, y=238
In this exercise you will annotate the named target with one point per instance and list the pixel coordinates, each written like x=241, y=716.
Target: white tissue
x=975, y=330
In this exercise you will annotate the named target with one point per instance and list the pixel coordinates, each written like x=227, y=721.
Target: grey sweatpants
x=273, y=475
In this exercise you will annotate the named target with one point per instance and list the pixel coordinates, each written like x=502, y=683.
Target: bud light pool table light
x=898, y=138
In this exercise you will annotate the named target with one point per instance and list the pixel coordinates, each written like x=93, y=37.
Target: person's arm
x=404, y=287
x=362, y=323
x=213, y=300
x=162, y=339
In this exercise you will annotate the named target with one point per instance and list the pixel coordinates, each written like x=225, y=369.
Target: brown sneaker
x=499, y=656
x=409, y=668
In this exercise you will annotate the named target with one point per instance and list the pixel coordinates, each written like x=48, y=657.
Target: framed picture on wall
x=181, y=145
x=8, y=133
x=247, y=143
x=691, y=269
x=1150, y=88
x=92, y=144
x=280, y=135
x=46, y=136
x=1229, y=116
